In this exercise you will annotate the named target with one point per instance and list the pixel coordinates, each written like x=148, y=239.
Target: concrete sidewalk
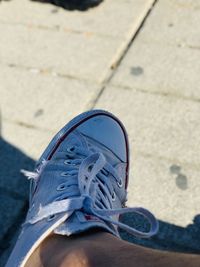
x=139, y=59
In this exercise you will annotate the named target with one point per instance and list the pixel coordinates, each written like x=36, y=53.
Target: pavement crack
x=50, y=72
x=121, y=53
x=58, y=28
x=27, y=125
x=158, y=93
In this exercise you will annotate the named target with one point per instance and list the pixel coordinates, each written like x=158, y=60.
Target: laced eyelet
x=61, y=187
x=120, y=183
x=71, y=149
x=67, y=162
x=90, y=167
x=64, y=174
x=51, y=217
x=113, y=196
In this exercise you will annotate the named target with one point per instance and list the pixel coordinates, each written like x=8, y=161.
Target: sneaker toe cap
x=108, y=131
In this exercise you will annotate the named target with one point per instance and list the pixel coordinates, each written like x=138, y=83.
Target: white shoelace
x=96, y=192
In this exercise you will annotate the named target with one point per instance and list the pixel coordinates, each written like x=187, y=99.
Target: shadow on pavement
x=14, y=186
x=14, y=192
x=170, y=237
x=81, y=5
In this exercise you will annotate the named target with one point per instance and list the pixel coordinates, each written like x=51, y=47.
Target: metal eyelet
x=51, y=217
x=120, y=183
x=90, y=167
x=64, y=174
x=113, y=196
x=71, y=149
x=61, y=187
x=67, y=162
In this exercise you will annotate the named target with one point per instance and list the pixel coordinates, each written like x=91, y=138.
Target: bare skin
x=97, y=249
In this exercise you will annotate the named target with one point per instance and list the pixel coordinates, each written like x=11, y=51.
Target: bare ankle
x=75, y=258
x=78, y=251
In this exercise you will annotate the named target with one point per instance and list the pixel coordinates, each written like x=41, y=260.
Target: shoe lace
x=92, y=193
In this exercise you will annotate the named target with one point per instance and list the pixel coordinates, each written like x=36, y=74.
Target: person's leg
x=97, y=249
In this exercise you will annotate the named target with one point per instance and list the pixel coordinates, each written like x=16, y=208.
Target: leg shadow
x=14, y=192
x=81, y=5
x=170, y=237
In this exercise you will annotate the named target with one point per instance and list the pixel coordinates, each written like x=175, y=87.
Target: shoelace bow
x=96, y=192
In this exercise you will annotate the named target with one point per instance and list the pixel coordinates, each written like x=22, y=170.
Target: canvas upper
x=80, y=182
